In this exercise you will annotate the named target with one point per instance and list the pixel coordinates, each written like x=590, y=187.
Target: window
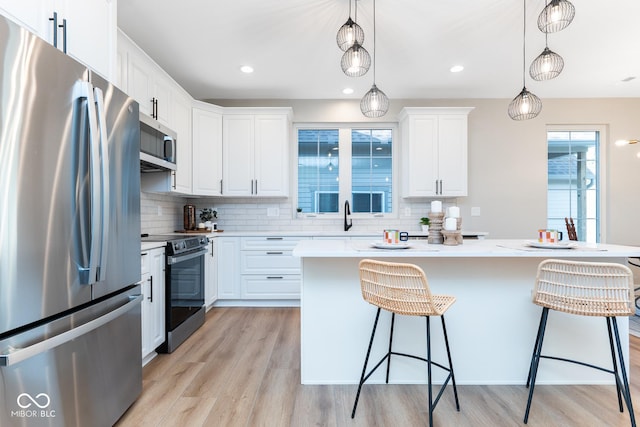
x=345, y=164
x=573, y=181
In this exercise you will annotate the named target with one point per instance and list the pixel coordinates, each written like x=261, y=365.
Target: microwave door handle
x=172, y=143
x=104, y=180
x=87, y=265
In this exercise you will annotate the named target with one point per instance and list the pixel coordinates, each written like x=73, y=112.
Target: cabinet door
x=157, y=297
x=161, y=90
x=207, y=149
x=271, y=159
x=210, y=276
x=238, y=155
x=452, y=155
x=32, y=14
x=271, y=286
x=91, y=33
x=182, y=125
x=90, y=28
x=139, y=81
x=147, y=315
x=228, y=266
x=420, y=139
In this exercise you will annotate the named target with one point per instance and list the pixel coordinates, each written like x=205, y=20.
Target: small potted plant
x=424, y=223
x=207, y=215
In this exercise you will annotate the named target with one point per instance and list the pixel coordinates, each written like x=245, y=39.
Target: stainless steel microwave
x=157, y=146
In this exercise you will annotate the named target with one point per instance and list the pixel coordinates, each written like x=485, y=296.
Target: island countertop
x=345, y=248
x=491, y=326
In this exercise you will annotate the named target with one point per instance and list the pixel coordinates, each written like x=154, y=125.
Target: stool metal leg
x=429, y=372
x=614, y=360
x=535, y=360
x=393, y=318
x=366, y=360
x=535, y=345
x=623, y=371
x=453, y=377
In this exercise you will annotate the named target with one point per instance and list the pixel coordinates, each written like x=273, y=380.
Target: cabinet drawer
x=270, y=286
x=269, y=242
x=269, y=262
x=145, y=259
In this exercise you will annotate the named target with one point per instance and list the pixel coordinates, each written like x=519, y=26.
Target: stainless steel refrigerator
x=70, y=346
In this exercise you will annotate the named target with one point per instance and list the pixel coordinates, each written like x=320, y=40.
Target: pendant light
x=526, y=105
x=547, y=65
x=350, y=32
x=355, y=61
x=374, y=103
x=556, y=16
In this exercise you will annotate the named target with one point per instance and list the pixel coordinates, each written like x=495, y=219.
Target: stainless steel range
x=184, y=284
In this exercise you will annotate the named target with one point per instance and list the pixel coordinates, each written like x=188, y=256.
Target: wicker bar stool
x=403, y=289
x=586, y=289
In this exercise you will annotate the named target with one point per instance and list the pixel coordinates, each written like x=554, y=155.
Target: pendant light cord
x=374, y=42
x=524, y=42
x=350, y=8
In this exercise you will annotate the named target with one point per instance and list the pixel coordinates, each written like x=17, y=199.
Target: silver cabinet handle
x=274, y=277
x=55, y=29
x=53, y=342
x=274, y=253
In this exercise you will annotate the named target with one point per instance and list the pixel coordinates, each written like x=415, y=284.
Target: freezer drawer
x=90, y=379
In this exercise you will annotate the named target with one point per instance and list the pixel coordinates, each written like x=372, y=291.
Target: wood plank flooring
x=242, y=369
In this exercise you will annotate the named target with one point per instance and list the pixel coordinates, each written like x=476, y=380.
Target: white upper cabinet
x=255, y=150
x=181, y=124
x=147, y=83
x=434, y=151
x=87, y=28
x=207, y=148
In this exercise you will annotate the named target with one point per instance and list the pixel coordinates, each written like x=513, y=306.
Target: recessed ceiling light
x=456, y=68
x=347, y=91
x=246, y=69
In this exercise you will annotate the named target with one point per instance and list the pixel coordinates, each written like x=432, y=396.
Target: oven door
x=185, y=286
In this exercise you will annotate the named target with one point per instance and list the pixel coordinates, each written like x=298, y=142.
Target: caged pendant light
x=374, y=103
x=556, y=16
x=355, y=61
x=350, y=32
x=526, y=105
x=547, y=65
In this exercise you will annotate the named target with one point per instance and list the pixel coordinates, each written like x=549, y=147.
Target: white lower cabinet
x=228, y=267
x=258, y=268
x=153, y=309
x=210, y=276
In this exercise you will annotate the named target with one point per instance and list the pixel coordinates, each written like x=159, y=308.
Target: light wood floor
x=242, y=369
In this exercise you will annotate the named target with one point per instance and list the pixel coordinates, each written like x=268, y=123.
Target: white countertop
x=344, y=248
x=324, y=233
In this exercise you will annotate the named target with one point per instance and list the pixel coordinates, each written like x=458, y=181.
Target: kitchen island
x=491, y=327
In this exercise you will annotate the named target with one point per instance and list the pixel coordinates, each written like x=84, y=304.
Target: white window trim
x=603, y=131
x=344, y=131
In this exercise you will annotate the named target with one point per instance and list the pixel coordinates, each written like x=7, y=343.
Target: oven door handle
x=179, y=258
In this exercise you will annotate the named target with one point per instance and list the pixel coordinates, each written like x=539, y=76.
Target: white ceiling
x=291, y=45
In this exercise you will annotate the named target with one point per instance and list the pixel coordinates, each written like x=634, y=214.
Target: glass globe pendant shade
x=556, y=16
x=355, y=61
x=546, y=66
x=348, y=34
x=374, y=103
x=525, y=106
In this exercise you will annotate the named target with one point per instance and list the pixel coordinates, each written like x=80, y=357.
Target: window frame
x=601, y=211
x=344, y=173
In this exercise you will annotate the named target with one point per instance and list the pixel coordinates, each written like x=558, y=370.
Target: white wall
x=507, y=166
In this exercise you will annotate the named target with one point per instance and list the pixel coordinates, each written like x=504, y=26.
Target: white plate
x=543, y=245
x=382, y=245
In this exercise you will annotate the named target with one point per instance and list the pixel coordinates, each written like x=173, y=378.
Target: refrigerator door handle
x=87, y=274
x=17, y=356
x=104, y=180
